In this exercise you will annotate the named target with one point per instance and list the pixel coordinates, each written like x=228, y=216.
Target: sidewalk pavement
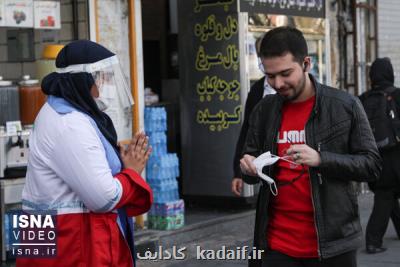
x=237, y=231
x=389, y=258
x=214, y=229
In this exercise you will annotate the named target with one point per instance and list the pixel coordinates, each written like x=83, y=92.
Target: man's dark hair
x=282, y=40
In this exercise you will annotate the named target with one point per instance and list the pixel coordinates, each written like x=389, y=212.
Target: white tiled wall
x=14, y=71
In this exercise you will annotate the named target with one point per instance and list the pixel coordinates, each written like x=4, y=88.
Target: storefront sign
x=18, y=13
x=210, y=90
x=303, y=8
x=47, y=15
x=216, y=71
x=214, y=5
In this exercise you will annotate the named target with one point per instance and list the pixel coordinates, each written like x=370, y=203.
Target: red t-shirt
x=291, y=227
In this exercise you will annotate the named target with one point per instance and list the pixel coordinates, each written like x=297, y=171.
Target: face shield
x=109, y=80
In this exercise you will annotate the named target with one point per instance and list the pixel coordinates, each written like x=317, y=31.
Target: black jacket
x=338, y=128
x=254, y=96
x=382, y=77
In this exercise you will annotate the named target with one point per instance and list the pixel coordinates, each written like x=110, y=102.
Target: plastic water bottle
x=159, y=117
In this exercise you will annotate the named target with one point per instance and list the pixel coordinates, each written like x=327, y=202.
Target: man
x=325, y=140
x=387, y=188
x=259, y=89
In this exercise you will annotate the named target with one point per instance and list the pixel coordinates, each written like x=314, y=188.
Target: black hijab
x=381, y=74
x=75, y=87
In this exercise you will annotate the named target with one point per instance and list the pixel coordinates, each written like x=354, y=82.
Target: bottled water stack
x=162, y=169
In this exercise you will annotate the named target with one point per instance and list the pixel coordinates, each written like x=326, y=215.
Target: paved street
x=240, y=234
x=232, y=239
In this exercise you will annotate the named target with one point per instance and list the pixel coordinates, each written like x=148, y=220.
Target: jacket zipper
x=319, y=173
x=275, y=131
x=312, y=194
x=315, y=216
x=274, y=139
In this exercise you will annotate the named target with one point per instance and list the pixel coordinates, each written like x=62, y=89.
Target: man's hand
x=247, y=166
x=237, y=185
x=303, y=154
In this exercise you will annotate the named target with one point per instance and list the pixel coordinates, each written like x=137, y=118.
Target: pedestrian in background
x=387, y=188
x=258, y=90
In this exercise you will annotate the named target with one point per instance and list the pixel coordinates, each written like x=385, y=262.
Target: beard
x=297, y=90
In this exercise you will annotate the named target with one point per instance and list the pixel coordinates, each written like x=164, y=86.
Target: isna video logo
x=31, y=234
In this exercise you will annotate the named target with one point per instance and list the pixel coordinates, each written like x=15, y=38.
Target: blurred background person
x=387, y=188
x=258, y=90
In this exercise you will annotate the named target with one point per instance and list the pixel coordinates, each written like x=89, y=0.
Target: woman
x=76, y=167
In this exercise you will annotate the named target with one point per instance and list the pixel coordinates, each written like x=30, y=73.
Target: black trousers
x=276, y=259
x=386, y=206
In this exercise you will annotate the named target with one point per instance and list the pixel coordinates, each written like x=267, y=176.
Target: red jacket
x=94, y=239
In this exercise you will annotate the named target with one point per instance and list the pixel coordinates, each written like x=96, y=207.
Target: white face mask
x=108, y=91
x=102, y=103
x=260, y=162
x=267, y=159
x=107, y=94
